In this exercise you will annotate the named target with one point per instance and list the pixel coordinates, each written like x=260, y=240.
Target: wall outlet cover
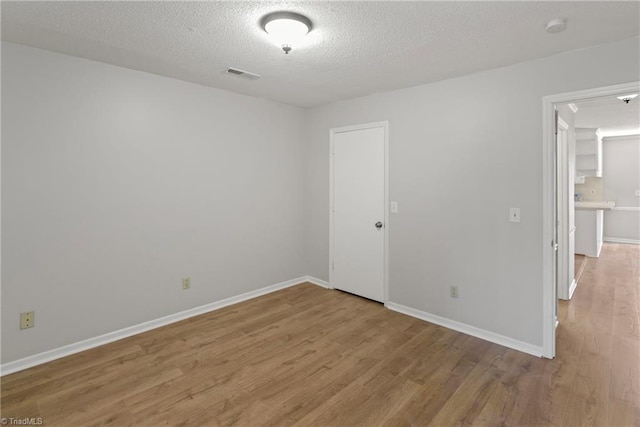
x=514, y=214
x=186, y=283
x=27, y=319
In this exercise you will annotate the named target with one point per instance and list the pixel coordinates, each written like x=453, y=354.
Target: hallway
x=597, y=368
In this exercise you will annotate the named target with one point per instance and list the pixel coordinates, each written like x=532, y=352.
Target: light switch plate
x=453, y=292
x=394, y=207
x=514, y=214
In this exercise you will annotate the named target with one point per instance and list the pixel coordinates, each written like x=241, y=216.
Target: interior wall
x=461, y=153
x=621, y=180
x=116, y=184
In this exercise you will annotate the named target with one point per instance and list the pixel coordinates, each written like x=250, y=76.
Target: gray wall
x=462, y=151
x=118, y=183
x=621, y=179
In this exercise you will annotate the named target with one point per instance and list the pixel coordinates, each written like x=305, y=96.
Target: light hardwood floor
x=310, y=356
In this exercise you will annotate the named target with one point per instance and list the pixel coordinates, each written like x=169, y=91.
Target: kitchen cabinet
x=589, y=225
x=589, y=232
x=588, y=152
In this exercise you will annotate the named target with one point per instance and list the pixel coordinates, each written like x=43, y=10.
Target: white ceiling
x=355, y=48
x=610, y=115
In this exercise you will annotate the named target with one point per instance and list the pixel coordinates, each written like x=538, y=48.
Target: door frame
x=564, y=192
x=385, y=267
x=549, y=291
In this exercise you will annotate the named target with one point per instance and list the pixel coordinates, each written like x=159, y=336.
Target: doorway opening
x=558, y=196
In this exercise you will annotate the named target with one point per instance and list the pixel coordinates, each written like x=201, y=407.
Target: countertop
x=595, y=205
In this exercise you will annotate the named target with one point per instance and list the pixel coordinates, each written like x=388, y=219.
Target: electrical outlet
x=514, y=214
x=593, y=191
x=186, y=283
x=27, y=319
x=638, y=193
x=453, y=291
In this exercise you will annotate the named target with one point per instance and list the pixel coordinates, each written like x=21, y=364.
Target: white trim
x=549, y=296
x=386, y=212
x=562, y=124
x=67, y=350
x=549, y=291
x=626, y=208
x=564, y=194
x=572, y=288
x=620, y=137
x=317, y=282
x=621, y=240
x=331, y=203
x=467, y=329
x=332, y=132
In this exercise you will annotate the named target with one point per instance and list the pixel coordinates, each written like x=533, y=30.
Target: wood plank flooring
x=310, y=356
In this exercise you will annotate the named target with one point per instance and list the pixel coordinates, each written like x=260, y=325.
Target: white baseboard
x=626, y=208
x=67, y=350
x=572, y=288
x=468, y=329
x=317, y=282
x=619, y=240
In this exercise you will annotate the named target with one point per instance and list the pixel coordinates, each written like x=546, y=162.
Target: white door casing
x=549, y=294
x=358, y=210
x=564, y=275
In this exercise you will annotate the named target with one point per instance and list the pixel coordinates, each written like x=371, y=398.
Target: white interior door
x=563, y=191
x=358, y=211
x=556, y=214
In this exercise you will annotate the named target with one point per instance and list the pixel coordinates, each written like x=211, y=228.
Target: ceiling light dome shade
x=286, y=28
x=627, y=98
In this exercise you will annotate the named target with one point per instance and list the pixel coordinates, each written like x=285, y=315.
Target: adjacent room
x=601, y=142
x=615, y=123
x=317, y=213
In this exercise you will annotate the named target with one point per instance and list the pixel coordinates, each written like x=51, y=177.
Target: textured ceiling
x=609, y=114
x=355, y=48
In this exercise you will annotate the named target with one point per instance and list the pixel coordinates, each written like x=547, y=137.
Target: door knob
x=378, y=225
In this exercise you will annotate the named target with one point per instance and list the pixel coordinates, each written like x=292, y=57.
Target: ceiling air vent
x=242, y=74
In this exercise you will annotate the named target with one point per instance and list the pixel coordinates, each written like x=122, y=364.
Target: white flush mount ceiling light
x=556, y=25
x=627, y=98
x=286, y=28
